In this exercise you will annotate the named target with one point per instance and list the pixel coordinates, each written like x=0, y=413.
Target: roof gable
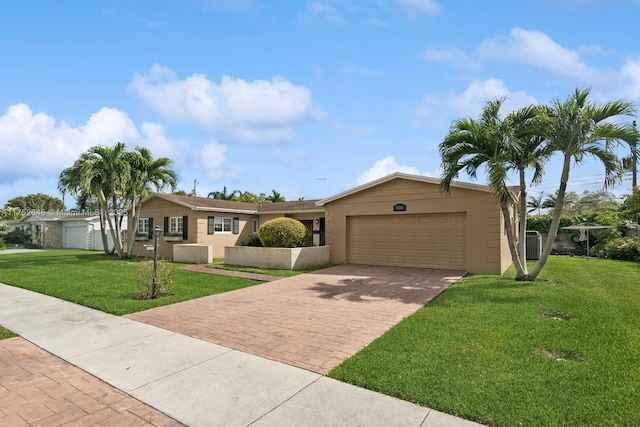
x=398, y=175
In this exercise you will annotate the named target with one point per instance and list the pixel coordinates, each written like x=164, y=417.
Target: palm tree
x=576, y=128
x=535, y=204
x=223, y=195
x=74, y=180
x=528, y=151
x=108, y=171
x=489, y=143
x=275, y=197
x=146, y=172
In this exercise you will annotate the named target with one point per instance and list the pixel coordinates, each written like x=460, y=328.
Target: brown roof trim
x=299, y=206
x=207, y=204
x=218, y=205
x=399, y=175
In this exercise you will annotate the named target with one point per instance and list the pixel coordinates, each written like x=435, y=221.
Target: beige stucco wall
x=193, y=253
x=486, y=244
x=283, y=258
x=157, y=209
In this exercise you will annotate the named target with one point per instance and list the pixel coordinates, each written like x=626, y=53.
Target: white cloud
x=436, y=109
x=212, y=159
x=452, y=56
x=382, y=168
x=539, y=50
x=426, y=7
x=35, y=146
x=259, y=110
x=324, y=11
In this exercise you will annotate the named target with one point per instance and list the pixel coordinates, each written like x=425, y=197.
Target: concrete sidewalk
x=196, y=382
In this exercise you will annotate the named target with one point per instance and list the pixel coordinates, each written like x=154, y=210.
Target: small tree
x=283, y=233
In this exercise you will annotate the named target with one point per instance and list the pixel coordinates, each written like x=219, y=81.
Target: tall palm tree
x=576, y=128
x=485, y=143
x=108, y=170
x=146, y=174
x=528, y=151
x=74, y=180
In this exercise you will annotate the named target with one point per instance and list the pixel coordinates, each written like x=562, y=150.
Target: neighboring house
x=64, y=230
x=398, y=220
x=215, y=222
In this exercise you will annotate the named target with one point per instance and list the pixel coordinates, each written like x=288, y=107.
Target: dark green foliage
x=36, y=202
x=17, y=237
x=283, y=233
x=254, y=240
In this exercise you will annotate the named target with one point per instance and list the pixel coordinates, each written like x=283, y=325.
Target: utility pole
x=195, y=182
x=634, y=170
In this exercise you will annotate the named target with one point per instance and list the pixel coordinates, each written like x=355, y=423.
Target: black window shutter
x=210, y=226
x=150, y=236
x=185, y=228
x=166, y=225
x=236, y=225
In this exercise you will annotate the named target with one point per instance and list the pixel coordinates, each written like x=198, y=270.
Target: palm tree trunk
x=555, y=220
x=102, y=210
x=133, y=226
x=508, y=226
x=522, y=225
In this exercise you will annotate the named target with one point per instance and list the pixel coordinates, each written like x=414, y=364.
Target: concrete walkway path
x=195, y=382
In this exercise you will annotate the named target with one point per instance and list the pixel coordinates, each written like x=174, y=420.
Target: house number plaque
x=399, y=207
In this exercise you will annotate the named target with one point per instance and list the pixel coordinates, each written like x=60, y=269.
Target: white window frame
x=175, y=224
x=143, y=226
x=254, y=226
x=222, y=225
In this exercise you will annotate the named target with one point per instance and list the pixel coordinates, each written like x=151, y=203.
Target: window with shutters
x=175, y=224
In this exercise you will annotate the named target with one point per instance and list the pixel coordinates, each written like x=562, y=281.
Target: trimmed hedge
x=283, y=233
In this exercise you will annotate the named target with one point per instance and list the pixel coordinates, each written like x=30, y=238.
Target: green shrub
x=253, y=241
x=623, y=248
x=3, y=245
x=283, y=233
x=17, y=237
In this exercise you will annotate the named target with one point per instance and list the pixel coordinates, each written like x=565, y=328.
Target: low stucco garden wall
x=193, y=253
x=282, y=258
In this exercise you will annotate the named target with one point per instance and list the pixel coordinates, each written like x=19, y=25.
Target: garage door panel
x=425, y=240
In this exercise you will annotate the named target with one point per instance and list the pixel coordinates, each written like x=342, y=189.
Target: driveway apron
x=314, y=320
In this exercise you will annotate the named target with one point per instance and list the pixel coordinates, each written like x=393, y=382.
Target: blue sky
x=307, y=98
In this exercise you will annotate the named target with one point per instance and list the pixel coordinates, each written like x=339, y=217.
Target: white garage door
x=425, y=240
x=75, y=237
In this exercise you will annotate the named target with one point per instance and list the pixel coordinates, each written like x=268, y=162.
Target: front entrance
x=308, y=223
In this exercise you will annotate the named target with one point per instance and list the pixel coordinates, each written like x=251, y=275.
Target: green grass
x=103, y=282
x=481, y=349
x=5, y=333
x=269, y=271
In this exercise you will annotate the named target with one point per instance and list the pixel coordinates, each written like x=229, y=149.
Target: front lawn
x=560, y=352
x=103, y=282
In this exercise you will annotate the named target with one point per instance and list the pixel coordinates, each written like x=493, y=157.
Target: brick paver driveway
x=39, y=389
x=314, y=320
